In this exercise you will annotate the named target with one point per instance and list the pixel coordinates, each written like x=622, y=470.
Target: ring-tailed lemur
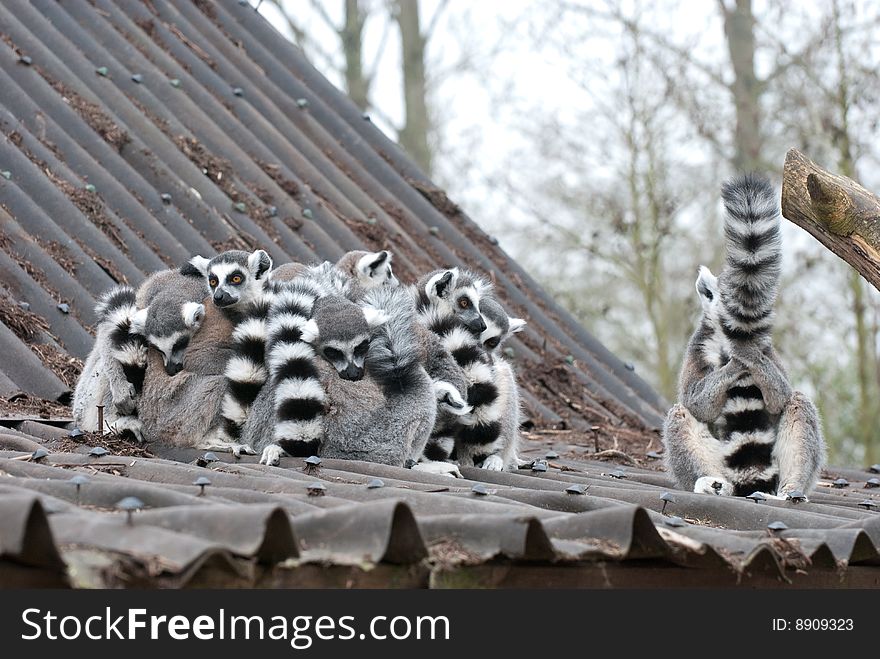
x=356, y=272
x=113, y=374
x=739, y=427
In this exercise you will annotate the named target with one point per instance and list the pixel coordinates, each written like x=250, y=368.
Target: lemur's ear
x=309, y=332
x=259, y=263
x=516, y=325
x=440, y=284
x=193, y=313
x=707, y=284
x=139, y=321
x=200, y=263
x=374, y=316
x=374, y=263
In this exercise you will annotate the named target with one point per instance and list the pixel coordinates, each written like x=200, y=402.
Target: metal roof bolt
x=24, y=305
x=316, y=490
x=868, y=504
x=551, y=455
x=576, y=489
x=26, y=60
x=79, y=480
x=666, y=498
x=539, y=466
x=64, y=307
x=39, y=454
x=6, y=174
x=129, y=505
x=874, y=469
x=98, y=452
x=76, y=432
x=102, y=71
x=493, y=240
x=240, y=207
x=481, y=490
x=138, y=78
x=757, y=497
x=569, y=359
x=375, y=483
x=372, y=221
x=244, y=3
x=302, y=103
x=796, y=496
x=840, y=482
x=312, y=464
x=653, y=455
x=307, y=213
x=629, y=366
x=201, y=482
x=366, y=117
x=91, y=188
x=210, y=456
x=674, y=521
x=777, y=526
x=273, y=211
x=618, y=473
x=872, y=482
x=175, y=82
x=434, y=231
x=237, y=91
x=165, y=197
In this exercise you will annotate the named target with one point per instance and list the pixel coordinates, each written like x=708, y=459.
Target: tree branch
x=835, y=210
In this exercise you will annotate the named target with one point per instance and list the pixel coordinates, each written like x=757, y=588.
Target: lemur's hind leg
x=693, y=456
x=800, y=449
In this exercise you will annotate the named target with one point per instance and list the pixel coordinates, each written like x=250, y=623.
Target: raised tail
x=395, y=358
x=754, y=257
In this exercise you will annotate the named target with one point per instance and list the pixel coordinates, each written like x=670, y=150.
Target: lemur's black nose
x=352, y=372
x=222, y=298
x=173, y=368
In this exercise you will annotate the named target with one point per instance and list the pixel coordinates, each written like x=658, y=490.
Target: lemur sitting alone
x=739, y=427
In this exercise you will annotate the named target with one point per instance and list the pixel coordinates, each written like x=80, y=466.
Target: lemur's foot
x=239, y=450
x=124, y=401
x=272, y=455
x=439, y=468
x=713, y=485
x=493, y=463
x=128, y=427
x=451, y=399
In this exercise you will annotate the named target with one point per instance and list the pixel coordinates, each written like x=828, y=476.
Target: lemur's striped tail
x=115, y=310
x=246, y=369
x=299, y=395
x=754, y=257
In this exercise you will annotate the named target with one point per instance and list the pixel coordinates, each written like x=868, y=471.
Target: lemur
x=164, y=314
x=347, y=382
x=739, y=427
x=113, y=373
x=448, y=302
x=246, y=371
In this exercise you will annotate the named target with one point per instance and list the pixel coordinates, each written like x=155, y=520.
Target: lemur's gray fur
x=739, y=427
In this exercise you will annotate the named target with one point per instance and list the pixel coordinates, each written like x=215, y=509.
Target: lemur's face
x=374, y=270
x=235, y=278
x=499, y=326
x=340, y=332
x=461, y=299
x=168, y=329
x=707, y=288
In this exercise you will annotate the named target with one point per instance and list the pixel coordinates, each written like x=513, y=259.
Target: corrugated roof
x=138, y=134
x=348, y=523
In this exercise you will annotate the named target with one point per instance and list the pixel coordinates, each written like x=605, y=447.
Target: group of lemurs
x=337, y=360
x=340, y=360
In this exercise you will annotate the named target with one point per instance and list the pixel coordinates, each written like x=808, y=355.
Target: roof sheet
x=351, y=523
x=138, y=134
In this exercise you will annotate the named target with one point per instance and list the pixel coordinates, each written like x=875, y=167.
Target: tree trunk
x=837, y=211
x=353, y=47
x=417, y=126
x=739, y=28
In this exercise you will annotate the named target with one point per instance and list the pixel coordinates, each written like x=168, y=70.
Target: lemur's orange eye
x=236, y=279
x=464, y=303
x=213, y=282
